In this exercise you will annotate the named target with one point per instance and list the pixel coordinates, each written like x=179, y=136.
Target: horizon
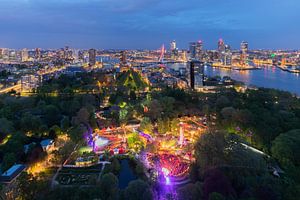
x=139, y=49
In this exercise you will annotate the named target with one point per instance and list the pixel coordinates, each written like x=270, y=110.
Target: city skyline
x=147, y=24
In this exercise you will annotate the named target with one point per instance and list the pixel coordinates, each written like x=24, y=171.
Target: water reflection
x=269, y=77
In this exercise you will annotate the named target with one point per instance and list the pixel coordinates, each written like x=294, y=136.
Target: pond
x=126, y=174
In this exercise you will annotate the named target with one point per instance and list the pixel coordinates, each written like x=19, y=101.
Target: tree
x=220, y=149
x=209, y=150
x=76, y=133
x=30, y=186
x=139, y=169
x=138, y=190
x=6, y=126
x=146, y=125
x=175, y=125
x=65, y=151
x=222, y=102
x=56, y=131
x=168, y=106
x=30, y=122
x=52, y=115
x=9, y=160
x=109, y=185
x=228, y=113
x=115, y=166
x=216, y=196
x=190, y=192
x=15, y=144
x=163, y=125
x=155, y=110
x=286, y=149
x=82, y=116
x=216, y=181
x=65, y=123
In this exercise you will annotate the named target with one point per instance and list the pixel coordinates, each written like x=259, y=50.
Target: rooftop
x=12, y=172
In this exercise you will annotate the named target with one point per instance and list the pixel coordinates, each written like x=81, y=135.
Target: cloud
x=141, y=23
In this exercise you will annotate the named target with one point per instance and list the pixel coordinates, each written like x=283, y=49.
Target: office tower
x=196, y=74
x=173, y=45
x=65, y=52
x=174, y=50
x=75, y=53
x=227, y=56
x=123, y=58
x=81, y=55
x=192, y=50
x=244, y=53
x=24, y=55
x=92, y=57
x=69, y=55
x=37, y=53
x=244, y=47
x=221, y=46
x=199, y=50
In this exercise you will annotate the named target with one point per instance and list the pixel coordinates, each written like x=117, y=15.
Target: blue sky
x=132, y=24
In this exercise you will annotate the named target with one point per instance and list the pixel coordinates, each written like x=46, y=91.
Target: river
x=268, y=77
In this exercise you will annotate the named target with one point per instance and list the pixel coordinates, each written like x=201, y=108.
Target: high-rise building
x=24, y=55
x=123, y=58
x=192, y=49
x=226, y=57
x=37, y=53
x=81, y=55
x=196, y=74
x=173, y=45
x=244, y=47
x=174, y=50
x=196, y=50
x=199, y=50
x=221, y=46
x=92, y=57
x=244, y=53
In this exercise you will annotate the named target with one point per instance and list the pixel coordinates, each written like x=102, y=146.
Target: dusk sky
x=137, y=24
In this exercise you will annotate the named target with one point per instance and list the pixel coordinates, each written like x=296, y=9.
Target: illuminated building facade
x=37, y=54
x=196, y=50
x=123, y=58
x=244, y=53
x=92, y=57
x=196, y=74
x=173, y=45
x=24, y=55
x=30, y=82
x=244, y=47
x=192, y=48
x=221, y=46
x=227, y=56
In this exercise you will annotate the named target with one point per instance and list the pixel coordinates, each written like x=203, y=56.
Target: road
x=8, y=89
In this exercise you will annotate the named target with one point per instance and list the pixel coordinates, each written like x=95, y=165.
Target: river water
x=268, y=77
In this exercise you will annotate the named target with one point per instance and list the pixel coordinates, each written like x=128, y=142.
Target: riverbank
x=233, y=67
x=284, y=68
